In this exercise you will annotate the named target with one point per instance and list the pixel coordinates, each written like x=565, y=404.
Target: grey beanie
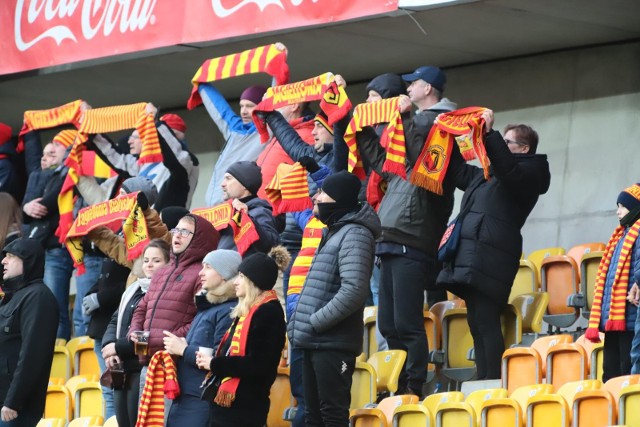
x=224, y=261
x=138, y=183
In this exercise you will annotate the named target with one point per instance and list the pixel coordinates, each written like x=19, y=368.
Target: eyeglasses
x=181, y=232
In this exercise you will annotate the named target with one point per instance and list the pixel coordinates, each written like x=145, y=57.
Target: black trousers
x=617, y=354
x=327, y=377
x=126, y=401
x=483, y=316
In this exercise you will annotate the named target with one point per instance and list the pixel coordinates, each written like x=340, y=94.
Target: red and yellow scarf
x=238, y=348
x=224, y=215
x=268, y=59
x=432, y=164
x=161, y=381
x=617, y=305
x=311, y=237
x=335, y=103
x=288, y=191
x=45, y=119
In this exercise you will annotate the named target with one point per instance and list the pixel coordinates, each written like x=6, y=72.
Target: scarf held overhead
x=432, y=164
x=161, y=381
x=268, y=59
x=293, y=93
x=238, y=348
x=44, y=119
x=289, y=189
x=335, y=103
x=124, y=208
x=223, y=216
x=618, y=302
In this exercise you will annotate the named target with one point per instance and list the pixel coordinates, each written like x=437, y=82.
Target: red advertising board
x=42, y=33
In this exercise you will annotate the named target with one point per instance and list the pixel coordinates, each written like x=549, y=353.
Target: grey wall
x=585, y=104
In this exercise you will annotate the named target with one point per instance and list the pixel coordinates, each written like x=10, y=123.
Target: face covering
x=330, y=213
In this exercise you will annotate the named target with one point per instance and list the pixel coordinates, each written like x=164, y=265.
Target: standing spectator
x=246, y=361
x=214, y=303
x=617, y=273
x=28, y=321
x=487, y=257
x=240, y=185
x=15, y=164
x=327, y=323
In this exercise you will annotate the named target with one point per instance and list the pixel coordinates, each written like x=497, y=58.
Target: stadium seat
x=543, y=344
x=594, y=355
x=629, y=405
x=433, y=401
x=532, y=307
x=537, y=256
x=570, y=389
x=501, y=412
x=382, y=415
x=615, y=385
x=73, y=382
x=593, y=408
x=436, y=354
x=58, y=403
x=388, y=366
x=477, y=398
x=370, y=341
x=527, y=280
x=111, y=422
x=546, y=410
x=85, y=360
x=566, y=362
x=85, y=422
x=456, y=345
x=521, y=366
x=61, y=366
x=83, y=342
x=433, y=331
x=363, y=385
x=455, y=414
x=560, y=278
x=52, y=422
x=588, y=274
x=61, y=342
x=88, y=400
x=412, y=415
x=56, y=381
x=511, y=326
x=523, y=394
x=281, y=399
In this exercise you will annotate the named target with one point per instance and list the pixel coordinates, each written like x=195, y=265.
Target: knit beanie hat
x=253, y=93
x=261, y=269
x=388, y=85
x=630, y=197
x=138, y=183
x=175, y=122
x=248, y=174
x=224, y=261
x=321, y=118
x=343, y=187
x=171, y=215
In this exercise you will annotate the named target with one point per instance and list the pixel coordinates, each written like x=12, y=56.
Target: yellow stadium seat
x=388, y=366
x=382, y=415
x=433, y=401
x=52, y=422
x=560, y=277
x=281, y=399
x=58, y=403
x=588, y=273
x=455, y=414
x=511, y=326
x=566, y=362
x=73, y=382
x=548, y=410
x=363, y=385
x=526, y=281
x=532, y=307
x=61, y=342
x=111, y=422
x=370, y=341
x=543, y=344
x=629, y=404
x=501, y=412
x=73, y=343
x=521, y=366
x=593, y=408
x=412, y=415
x=432, y=329
x=477, y=398
x=85, y=360
x=56, y=381
x=61, y=365
x=523, y=394
x=615, y=385
x=537, y=256
x=85, y=422
x=88, y=400
x=456, y=343
x=570, y=389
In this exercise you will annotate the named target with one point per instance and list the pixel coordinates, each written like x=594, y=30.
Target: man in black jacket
x=28, y=322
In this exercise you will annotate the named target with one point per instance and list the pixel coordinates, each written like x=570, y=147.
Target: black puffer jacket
x=28, y=326
x=329, y=311
x=490, y=240
x=109, y=288
x=261, y=214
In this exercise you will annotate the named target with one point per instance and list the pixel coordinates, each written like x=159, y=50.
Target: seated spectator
x=246, y=361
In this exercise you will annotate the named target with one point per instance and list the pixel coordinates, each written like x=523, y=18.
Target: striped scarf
x=311, y=237
x=335, y=103
x=432, y=164
x=288, y=191
x=121, y=117
x=224, y=215
x=368, y=114
x=161, y=381
x=238, y=348
x=617, y=305
x=268, y=59
x=45, y=119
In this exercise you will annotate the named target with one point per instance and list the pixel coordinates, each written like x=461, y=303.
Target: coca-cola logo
x=95, y=16
x=220, y=10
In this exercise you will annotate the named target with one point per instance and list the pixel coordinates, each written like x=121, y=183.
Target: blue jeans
x=107, y=393
x=25, y=419
x=58, y=268
x=635, y=347
x=84, y=282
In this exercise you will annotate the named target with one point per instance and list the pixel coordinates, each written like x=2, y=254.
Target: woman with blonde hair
x=246, y=361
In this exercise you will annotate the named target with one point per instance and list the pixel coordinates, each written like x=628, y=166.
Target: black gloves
x=309, y=164
x=143, y=202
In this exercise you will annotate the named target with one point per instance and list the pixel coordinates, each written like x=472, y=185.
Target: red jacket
x=273, y=154
x=169, y=304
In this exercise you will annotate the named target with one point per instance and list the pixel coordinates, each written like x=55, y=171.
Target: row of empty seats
x=80, y=397
x=77, y=357
x=78, y=422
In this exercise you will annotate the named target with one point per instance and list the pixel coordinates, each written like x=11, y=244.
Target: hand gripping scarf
x=268, y=59
x=45, y=119
x=288, y=191
x=224, y=215
x=335, y=103
x=618, y=302
x=161, y=381
x=433, y=162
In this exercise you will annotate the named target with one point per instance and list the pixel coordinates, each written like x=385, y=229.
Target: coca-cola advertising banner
x=42, y=33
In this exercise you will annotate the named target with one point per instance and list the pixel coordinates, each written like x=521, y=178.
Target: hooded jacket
x=329, y=312
x=169, y=305
x=28, y=326
x=490, y=243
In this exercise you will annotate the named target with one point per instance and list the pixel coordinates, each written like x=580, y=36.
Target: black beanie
x=248, y=174
x=630, y=197
x=343, y=187
x=171, y=215
x=261, y=269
